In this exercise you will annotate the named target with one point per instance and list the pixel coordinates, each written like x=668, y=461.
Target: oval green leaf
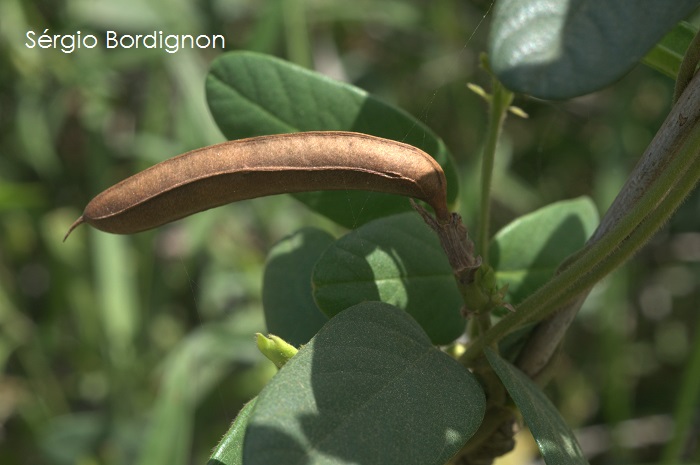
x=252, y=94
x=229, y=451
x=556, y=441
x=527, y=252
x=369, y=388
x=290, y=310
x=397, y=260
x=559, y=49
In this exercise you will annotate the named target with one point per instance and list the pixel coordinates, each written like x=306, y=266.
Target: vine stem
x=498, y=107
x=654, y=208
x=498, y=102
x=546, y=337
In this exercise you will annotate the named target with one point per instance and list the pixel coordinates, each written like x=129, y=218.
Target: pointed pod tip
x=75, y=224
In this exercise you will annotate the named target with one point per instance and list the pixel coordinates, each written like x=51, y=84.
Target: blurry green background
x=121, y=350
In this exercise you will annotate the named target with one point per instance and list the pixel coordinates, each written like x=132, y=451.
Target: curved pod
x=248, y=168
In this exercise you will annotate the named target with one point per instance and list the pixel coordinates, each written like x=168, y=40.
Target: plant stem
x=546, y=337
x=483, y=320
x=654, y=208
x=498, y=107
x=297, y=33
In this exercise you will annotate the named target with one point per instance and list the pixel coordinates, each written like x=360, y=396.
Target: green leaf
x=558, y=49
x=290, y=310
x=229, y=451
x=251, y=94
x=117, y=290
x=556, y=441
x=397, y=260
x=667, y=55
x=369, y=388
x=527, y=252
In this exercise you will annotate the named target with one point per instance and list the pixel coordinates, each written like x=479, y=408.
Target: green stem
x=484, y=324
x=673, y=132
x=654, y=208
x=499, y=103
x=296, y=33
x=687, y=405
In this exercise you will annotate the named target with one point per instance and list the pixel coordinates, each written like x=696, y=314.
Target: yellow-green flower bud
x=276, y=349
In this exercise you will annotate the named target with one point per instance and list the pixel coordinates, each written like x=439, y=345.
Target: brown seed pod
x=284, y=163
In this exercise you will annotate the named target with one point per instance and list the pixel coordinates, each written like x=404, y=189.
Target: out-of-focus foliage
x=141, y=349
